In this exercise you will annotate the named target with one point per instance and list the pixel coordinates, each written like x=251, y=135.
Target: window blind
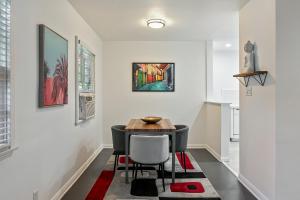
x=5, y=10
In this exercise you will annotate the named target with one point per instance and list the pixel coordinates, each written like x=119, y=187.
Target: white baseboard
x=213, y=152
x=258, y=194
x=224, y=159
x=207, y=147
x=196, y=146
x=107, y=146
x=232, y=171
x=62, y=191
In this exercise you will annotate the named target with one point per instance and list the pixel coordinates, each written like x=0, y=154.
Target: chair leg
x=163, y=176
x=184, y=161
x=133, y=168
x=118, y=156
x=136, y=170
x=115, y=164
x=141, y=169
x=181, y=156
x=159, y=168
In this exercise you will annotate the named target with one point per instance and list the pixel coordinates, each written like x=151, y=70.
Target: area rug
x=192, y=185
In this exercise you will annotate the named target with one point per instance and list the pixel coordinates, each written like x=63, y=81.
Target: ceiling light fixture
x=156, y=23
x=228, y=45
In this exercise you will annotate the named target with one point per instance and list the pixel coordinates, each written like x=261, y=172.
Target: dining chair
x=149, y=150
x=181, y=142
x=118, y=137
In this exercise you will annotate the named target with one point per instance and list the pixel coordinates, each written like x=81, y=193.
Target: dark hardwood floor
x=221, y=178
x=226, y=184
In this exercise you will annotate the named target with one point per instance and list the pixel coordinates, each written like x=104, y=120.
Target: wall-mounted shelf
x=259, y=76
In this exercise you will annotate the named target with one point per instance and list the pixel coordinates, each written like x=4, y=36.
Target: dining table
x=137, y=126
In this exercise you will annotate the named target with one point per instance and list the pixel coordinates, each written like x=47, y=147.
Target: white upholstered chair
x=149, y=150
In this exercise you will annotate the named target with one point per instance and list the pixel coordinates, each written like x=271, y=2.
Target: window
x=85, y=83
x=86, y=62
x=5, y=75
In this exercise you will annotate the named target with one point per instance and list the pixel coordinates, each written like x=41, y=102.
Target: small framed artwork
x=153, y=77
x=53, y=68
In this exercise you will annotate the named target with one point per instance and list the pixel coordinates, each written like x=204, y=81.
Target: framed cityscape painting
x=153, y=77
x=53, y=68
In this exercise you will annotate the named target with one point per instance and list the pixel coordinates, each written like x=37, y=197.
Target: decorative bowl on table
x=151, y=119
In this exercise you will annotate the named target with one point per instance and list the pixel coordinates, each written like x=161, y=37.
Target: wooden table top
x=137, y=125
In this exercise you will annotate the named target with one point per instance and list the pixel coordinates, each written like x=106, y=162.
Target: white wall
x=209, y=70
x=184, y=106
x=217, y=129
x=257, y=116
x=213, y=116
x=225, y=64
x=287, y=99
x=51, y=147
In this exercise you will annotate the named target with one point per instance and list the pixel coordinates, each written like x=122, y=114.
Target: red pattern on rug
x=187, y=187
x=122, y=160
x=188, y=162
x=101, y=186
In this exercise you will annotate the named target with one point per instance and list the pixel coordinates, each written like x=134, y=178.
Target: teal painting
x=53, y=61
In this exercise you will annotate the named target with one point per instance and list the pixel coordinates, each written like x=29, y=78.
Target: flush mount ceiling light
x=156, y=23
x=228, y=45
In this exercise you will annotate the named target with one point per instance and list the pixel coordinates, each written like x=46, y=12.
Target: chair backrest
x=118, y=137
x=149, y=149
x=181, y=137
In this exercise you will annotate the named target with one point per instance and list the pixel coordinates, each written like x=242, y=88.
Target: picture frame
x=153, y=77
x=53, y=68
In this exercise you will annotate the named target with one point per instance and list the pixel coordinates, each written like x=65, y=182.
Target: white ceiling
x=186, y=20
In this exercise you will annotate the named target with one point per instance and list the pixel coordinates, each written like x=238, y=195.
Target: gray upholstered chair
x=149, y=150
x=181, y=142
x=118, y=137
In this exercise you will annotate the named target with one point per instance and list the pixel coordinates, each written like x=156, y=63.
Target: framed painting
x=53, y=68
x=153, y=77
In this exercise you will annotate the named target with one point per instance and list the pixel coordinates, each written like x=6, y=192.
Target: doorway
x=225, y=89
x=233, y=148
